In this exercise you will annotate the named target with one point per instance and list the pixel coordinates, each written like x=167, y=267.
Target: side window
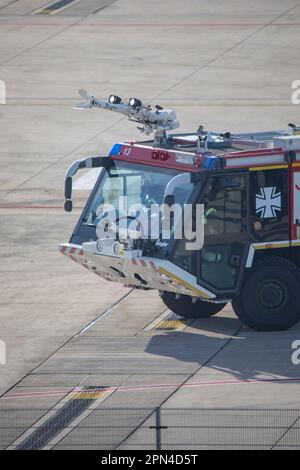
x=225, y=204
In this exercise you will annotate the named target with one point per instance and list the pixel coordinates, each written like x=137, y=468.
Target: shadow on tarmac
x=223, y=344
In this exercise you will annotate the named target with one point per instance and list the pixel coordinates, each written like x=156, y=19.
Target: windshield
x=141, y=184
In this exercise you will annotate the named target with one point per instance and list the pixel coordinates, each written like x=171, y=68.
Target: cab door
x=226, y=241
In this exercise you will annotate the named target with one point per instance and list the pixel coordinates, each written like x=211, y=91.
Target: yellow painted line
x=86, y=395
x=295, y=165
x=273, y=167
x=169, y=325
x=170, y=321
x=184, y=283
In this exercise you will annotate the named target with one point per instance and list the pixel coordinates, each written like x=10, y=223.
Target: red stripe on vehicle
x=153, y=266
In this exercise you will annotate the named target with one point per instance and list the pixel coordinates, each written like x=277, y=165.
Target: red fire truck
x=248, y=186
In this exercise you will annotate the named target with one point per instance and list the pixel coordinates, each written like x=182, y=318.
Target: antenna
x=159, y=120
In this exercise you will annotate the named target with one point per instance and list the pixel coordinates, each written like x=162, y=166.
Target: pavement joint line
x=138, y=333
x=73, y=151
x=104, y=314
x=103, y=7
x=54, y=352
x=237, y=44
x=8, y=4
x=183, y=384
x=67, y=26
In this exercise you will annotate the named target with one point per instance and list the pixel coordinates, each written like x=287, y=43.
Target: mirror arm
x=92, y=162
x=178, y=180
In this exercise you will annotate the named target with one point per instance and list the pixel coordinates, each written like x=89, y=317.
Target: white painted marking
x=53, y=12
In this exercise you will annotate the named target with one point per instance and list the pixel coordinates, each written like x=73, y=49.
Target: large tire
x=184, y=306
x=270, y=297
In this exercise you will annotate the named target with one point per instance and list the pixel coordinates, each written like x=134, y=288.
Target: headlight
x=114, y=99
x=135, y=103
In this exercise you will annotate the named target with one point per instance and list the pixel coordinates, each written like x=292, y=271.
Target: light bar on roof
x=255, y=160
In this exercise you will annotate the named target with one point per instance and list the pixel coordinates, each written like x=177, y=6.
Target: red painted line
x=152, y=25
x=16, y=206
x=154, y=386
x=23, y=206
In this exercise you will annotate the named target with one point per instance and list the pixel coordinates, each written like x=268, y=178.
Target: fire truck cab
x=248, y=186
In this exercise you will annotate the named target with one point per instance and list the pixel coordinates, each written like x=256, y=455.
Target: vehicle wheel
x=184, y=306
x=270, y=297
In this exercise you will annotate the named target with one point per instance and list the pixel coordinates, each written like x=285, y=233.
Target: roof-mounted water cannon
x=159, y=120
x=207, y=139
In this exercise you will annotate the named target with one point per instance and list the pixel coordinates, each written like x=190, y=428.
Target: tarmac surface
x=78, y=347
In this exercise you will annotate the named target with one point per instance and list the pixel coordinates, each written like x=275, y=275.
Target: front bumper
x=131, y=269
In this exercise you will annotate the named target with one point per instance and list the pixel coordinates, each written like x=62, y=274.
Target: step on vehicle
x=246, y=250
